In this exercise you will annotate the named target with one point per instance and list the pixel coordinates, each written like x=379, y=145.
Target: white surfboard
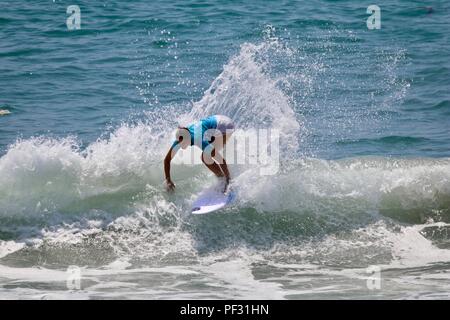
x=211, y=200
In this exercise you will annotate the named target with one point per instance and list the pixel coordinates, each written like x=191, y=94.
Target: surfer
x=209, y=134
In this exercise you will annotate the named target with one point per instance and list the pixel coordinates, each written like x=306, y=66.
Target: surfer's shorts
x=224, y=124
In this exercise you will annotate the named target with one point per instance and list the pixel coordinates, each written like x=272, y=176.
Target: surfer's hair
x=179, y=135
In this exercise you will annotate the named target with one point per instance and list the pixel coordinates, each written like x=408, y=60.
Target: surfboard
x=212, y=199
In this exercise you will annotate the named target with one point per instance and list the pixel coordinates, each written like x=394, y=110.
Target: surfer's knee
x=207, y=158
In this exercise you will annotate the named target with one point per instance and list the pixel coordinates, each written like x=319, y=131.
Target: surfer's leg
x=211, y=164
x=219, y=144
x=223, y=168
x=225, y=138
x=218, y=157
x=222, y=164
x=216, y=163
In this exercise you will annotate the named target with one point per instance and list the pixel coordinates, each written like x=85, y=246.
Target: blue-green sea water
x=87, y=116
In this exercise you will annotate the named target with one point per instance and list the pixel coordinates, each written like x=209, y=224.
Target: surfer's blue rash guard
x=198, y=129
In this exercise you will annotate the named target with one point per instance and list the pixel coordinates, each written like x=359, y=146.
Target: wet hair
x=179, y=136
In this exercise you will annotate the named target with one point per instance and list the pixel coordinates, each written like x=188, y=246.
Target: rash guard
x=197, y=131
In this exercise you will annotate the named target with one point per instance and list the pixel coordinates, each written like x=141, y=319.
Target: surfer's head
x=183, y=136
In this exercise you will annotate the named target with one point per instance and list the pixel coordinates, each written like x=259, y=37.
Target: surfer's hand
x=170, y=186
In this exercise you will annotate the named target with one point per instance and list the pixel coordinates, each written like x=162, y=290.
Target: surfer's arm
x=167, y=160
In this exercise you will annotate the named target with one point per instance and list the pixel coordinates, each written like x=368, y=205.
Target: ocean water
x=363, y=188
